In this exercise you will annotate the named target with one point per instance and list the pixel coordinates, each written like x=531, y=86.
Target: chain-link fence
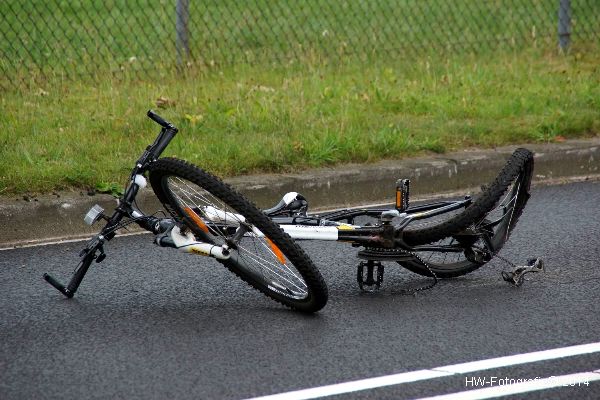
x=140, y=38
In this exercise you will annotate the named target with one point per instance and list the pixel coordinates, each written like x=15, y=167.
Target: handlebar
x=159, y=120
x=165, y=136
x=90, y=253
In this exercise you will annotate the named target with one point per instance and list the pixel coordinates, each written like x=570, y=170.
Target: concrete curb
x=60, y=216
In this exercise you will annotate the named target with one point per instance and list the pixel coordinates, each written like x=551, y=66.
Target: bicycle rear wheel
x=261, y=253
x=486, y=223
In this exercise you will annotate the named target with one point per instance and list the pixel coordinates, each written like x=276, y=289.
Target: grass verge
x=248, y=119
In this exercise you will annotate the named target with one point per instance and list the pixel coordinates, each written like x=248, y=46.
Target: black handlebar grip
x=157, y=118
x=59, y=286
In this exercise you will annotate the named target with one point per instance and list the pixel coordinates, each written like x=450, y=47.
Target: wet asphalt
x=152, y=323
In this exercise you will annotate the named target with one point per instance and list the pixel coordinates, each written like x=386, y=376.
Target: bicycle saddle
x=291, y=204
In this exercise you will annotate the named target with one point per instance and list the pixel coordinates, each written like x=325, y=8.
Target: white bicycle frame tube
x=188, y=244
x=304, y=232
x=299, y=232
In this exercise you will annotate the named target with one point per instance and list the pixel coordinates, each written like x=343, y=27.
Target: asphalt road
x=152, y=323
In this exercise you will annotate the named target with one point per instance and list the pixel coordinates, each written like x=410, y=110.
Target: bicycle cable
x=122, y=225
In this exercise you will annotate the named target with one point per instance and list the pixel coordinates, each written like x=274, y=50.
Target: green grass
x=55, y=38
x=246, y=119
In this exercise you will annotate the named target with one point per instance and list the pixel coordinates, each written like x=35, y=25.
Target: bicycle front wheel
x=260, y=252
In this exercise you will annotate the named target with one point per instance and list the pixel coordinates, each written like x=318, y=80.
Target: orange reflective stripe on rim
x=276, y=251
x=197, y=220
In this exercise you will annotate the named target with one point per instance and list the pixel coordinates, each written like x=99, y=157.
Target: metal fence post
x=183, y=38
x=564, y=24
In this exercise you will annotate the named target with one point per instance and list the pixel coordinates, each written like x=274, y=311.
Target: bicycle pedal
x=402, y=194
x=373, y=281
x=516, y=276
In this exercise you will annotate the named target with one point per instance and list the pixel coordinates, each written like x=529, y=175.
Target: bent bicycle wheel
x=491, y=217
x=260, y=252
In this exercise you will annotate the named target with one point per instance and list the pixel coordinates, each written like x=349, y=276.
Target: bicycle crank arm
x=188, y=244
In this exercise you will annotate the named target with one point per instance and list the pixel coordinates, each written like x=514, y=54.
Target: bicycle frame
x=338, y=225
x=327, y=226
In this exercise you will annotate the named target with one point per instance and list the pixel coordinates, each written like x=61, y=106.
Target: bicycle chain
x=422, y=288
x=433, y=275
x=512, y=264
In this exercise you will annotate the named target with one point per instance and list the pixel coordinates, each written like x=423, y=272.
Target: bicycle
x=207, y=217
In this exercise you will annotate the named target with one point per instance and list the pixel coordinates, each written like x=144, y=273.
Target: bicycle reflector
x=278, y=253
x=196, y=219
x=402, y=194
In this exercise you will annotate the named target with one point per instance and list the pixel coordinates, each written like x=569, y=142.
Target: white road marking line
x=355, y=386
x=581, y=379
x=425, y=374
x=522, y=358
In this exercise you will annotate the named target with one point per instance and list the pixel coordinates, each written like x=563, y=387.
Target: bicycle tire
x=254, y=259
x=517, y=174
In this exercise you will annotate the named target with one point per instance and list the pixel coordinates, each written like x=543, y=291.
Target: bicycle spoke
x=278, y=265
x=269, y=250
x=215, y=230
x=252, y=251
x=259, y=260
x=511, y=214
x=195, y=204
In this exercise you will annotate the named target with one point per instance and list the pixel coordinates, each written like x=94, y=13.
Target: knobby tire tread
x=483, y=204
x=520, y=162
x=318, y=292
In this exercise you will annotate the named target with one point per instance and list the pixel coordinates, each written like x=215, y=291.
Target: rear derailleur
x=516, y=276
